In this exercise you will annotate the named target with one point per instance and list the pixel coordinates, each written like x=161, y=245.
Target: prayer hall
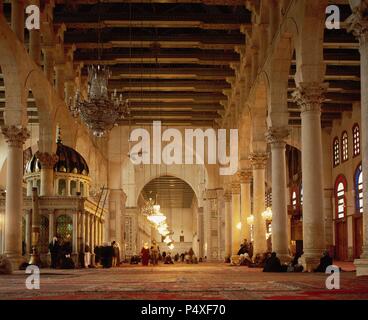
x=184, y=150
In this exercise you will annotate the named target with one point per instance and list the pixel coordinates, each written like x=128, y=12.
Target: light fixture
x=171, y=246
x=267, y=214
x=157, y=218
x=250, y=220
x=99, y=111
x=239, y=225
x=167, y=240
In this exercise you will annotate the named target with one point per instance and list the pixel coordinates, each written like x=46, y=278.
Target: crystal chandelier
x=99, y=111
x=250, y=220
x=267, y=214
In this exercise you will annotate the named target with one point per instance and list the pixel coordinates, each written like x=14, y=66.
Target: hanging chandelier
x=267, y=214
x=250, y=220
x=99, y=111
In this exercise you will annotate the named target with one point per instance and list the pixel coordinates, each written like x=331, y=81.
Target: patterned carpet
x=181, y=282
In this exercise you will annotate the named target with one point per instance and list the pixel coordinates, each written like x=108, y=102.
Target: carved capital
x=357, y=23
x=235, y=188
x=245, y=176
x=47, y=160
x=15, y=136
x=277, y=136
x=227, y=196
x=258, y=160
x=309, y=96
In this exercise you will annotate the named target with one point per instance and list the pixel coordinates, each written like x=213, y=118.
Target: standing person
x=155, y=251
x=116, y=248
x=145, y=254
x=54, y=248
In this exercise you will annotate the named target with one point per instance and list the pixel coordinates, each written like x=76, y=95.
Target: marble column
x=28, y=232
x=358, y=24
x=60, y=80
x=207, y=243
x=117, y=199
x=259, y=161
x=35, y=40
x=82, y=235
x=15, y=137
x=69, y=90
x=227, y=198
x=235, y=218
x=17, y=18
x=310, y=97
x=67, y=187
x=47, y=162
x=75, y=233
x=92, y=239
x=200, y=233
x=87, y=231
x=276, y=138
x=245, y=177
x=48, y=63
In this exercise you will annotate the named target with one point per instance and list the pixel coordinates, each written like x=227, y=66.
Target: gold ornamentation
x=276, y=136
x=258, y=160
x=47, y=160
x=245, y=176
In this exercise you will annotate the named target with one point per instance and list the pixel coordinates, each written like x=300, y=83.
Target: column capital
x=235, y=188
x=47, y=160
x=15, y=136
x=210, y=194
x=227, y=196
x=357, y=23
x=309, y=96
x=245, y=176
x=258, y=160
x=277, y=136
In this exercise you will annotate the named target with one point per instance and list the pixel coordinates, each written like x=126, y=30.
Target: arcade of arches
x=295, y=90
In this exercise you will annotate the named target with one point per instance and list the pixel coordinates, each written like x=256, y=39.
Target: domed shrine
x=67, y=211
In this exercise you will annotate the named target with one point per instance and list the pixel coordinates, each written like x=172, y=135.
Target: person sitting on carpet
x=5, y=265
x=67, y=262
x=272, y=264
x=168, y=259
x=324, y=262
x=245, y=260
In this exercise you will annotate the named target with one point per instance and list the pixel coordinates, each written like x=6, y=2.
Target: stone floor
x=181, y=281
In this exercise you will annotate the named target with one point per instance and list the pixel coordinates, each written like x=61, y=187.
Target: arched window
x=294, y=200
x=336, y=152
x=340, y=199
x=359, y=189
x=356, y=140
x=345, y=146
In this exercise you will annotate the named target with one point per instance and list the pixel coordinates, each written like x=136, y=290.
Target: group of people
x=271, y=263
x=152, y=255
x=107, y=255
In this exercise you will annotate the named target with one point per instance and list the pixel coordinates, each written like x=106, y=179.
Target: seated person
x=235, y=260
x=245, y=260
x=272, y=264
x=67, y=262
x=5, y=265
x=324, y=262
x=168, y=259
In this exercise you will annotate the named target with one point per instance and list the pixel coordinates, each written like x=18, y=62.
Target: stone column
x=259, y=161
x=117, y=199
x=75, y=233
x=51, y=226
x=87, y=231
x=60, y=80
x=47, y=162
x=200, y=233
x=35, y=40
x=69, y=90
x=28, y=232
x=82, y=236
x=29, y=188
x=227, y=198
x=17, y=18
x=276, y=138
x=92, y=239
x=358, y=24
x=67, y=187
x=310, y=97
x=48, y=63
x=235, y=218
x=245, y=203
x=207, y=228
x=15, y=138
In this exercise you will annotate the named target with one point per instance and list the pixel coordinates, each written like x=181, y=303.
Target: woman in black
x=54, y=248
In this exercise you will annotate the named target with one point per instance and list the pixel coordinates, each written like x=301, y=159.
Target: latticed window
x=345, y=146
x=64, y=227
x=340, y=189
x=336, y=152
x=359, y=189
x=356, y=140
